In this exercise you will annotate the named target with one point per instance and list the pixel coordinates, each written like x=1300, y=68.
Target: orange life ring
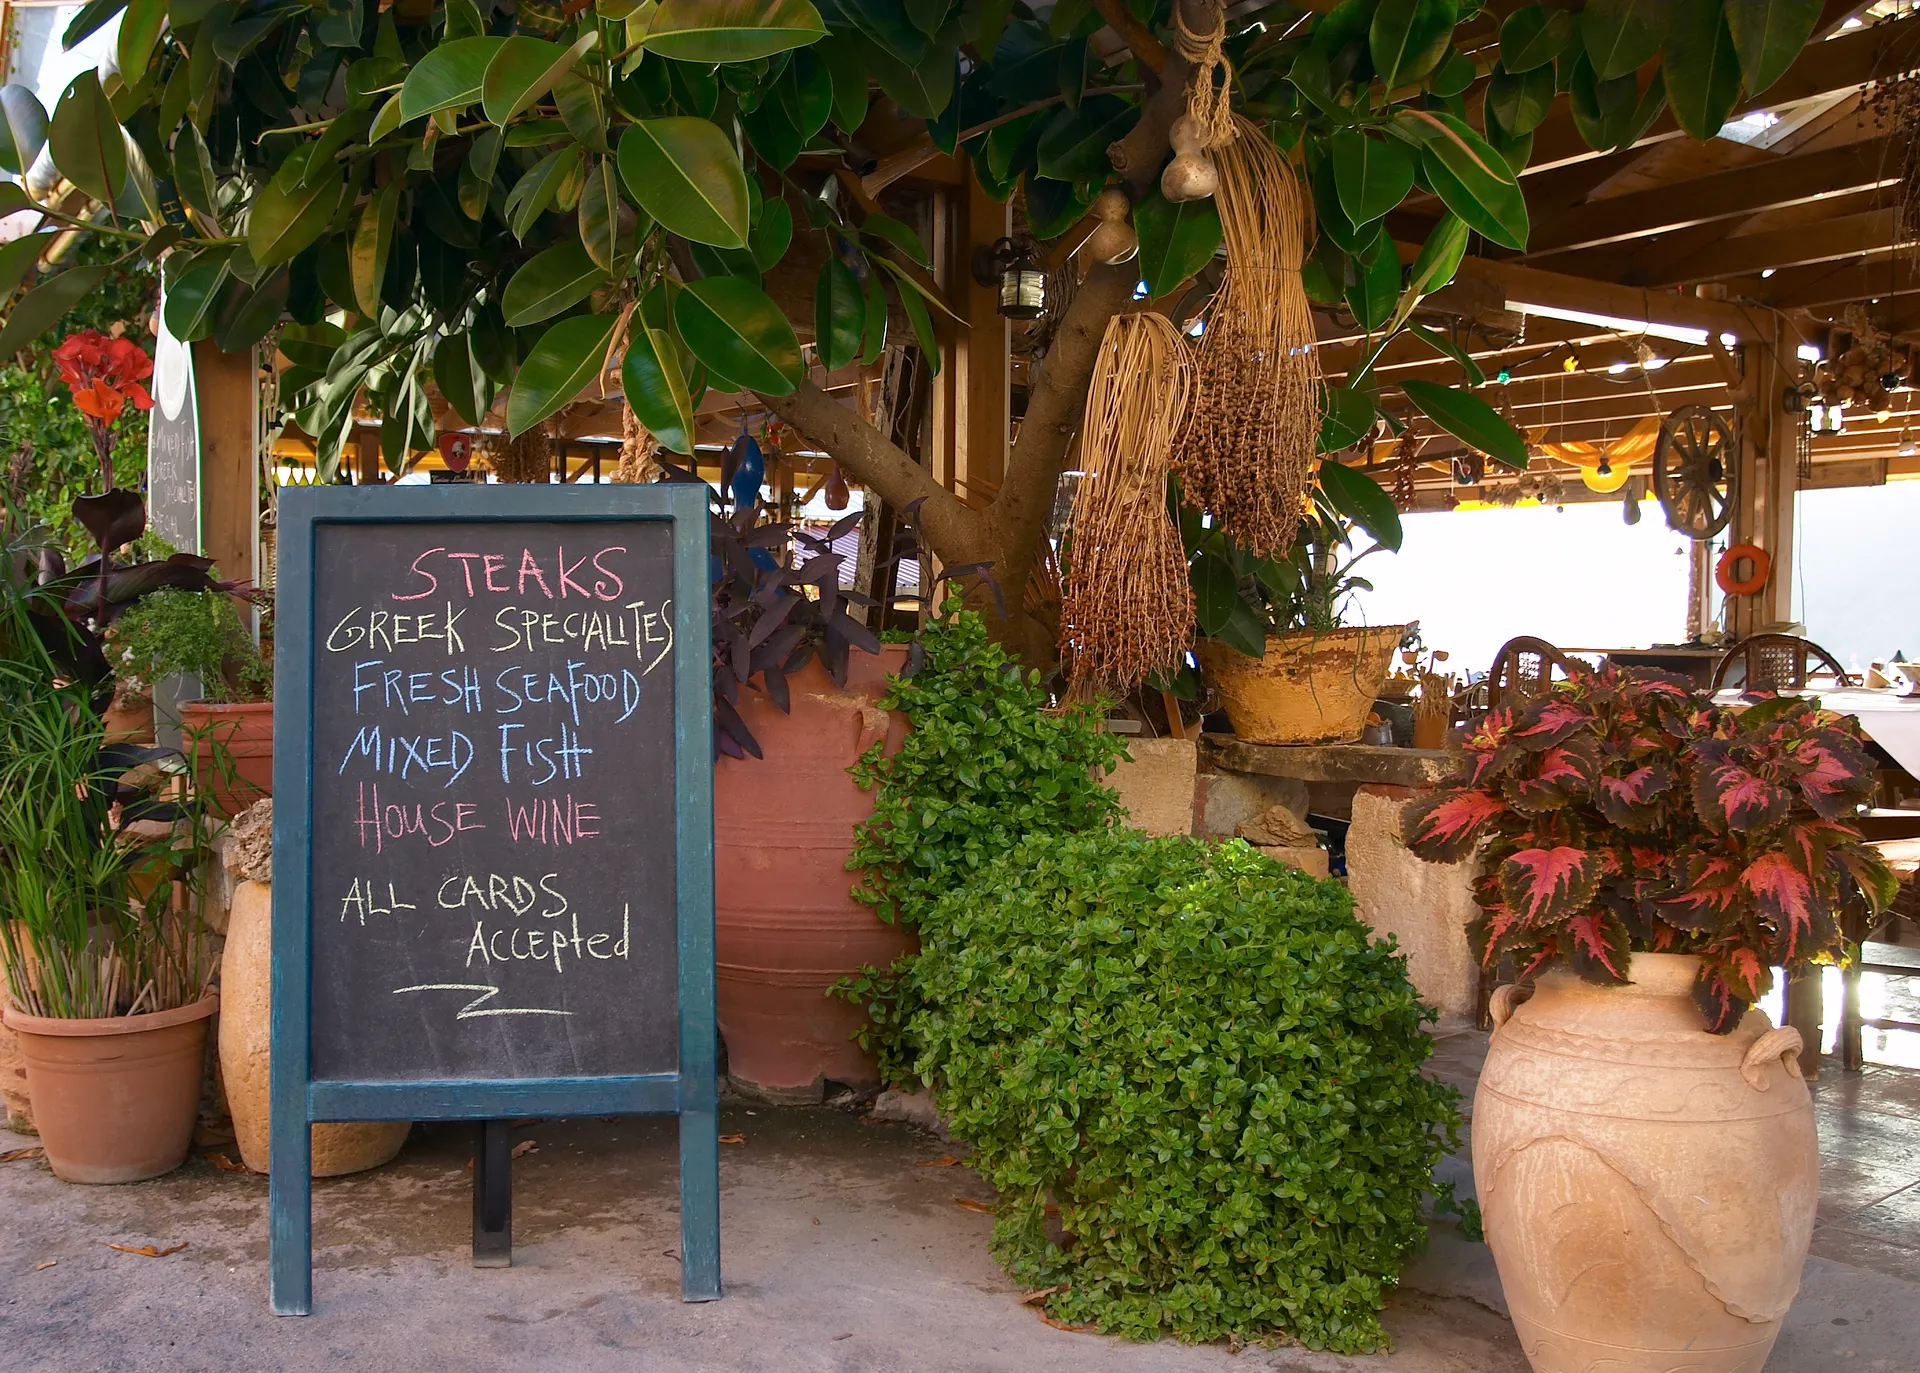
x=1723, y=570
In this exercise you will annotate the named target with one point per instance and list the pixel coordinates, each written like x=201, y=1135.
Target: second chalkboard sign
x=493, y=893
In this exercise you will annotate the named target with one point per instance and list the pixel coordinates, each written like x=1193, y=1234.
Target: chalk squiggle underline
x=472, y=1008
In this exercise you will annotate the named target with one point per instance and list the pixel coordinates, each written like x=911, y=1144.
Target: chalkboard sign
x=173, y=445
x=493, y=822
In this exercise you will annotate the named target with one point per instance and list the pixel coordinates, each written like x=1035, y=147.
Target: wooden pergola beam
x=1718, y=195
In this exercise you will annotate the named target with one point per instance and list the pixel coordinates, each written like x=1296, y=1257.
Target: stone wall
x=1424, y=906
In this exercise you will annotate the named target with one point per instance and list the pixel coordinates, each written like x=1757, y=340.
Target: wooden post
x=971, y=400
x=227, y=388
x=1769, y=480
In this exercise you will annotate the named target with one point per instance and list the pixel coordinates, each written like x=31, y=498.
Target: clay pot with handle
x=1648, y=1189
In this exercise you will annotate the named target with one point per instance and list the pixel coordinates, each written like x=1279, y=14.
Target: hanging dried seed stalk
x=1127, y=608
x=1246, y=454
x=1406, y=467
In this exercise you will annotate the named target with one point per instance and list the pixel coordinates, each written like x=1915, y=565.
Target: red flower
x=104, y=374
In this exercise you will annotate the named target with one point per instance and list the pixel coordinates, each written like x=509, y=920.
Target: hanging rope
x=1208, y=105
x=639, y=451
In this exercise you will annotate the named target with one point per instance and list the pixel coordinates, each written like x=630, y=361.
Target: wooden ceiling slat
x=1825, y=241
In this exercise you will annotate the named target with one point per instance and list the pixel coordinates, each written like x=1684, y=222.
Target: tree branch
x=1138, y=38
x=950, y=525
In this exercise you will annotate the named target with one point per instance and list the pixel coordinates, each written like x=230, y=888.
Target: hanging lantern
x=1605, y=478
x=1022, y=281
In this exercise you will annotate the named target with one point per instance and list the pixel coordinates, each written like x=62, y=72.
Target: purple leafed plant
x=1625, y=812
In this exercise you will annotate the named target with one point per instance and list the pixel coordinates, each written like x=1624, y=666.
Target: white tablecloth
x=1888, y=718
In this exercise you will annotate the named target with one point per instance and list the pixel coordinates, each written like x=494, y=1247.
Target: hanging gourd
x=1190, y=176
x=1113, y=239
x=1208, y=122
x=838, y=496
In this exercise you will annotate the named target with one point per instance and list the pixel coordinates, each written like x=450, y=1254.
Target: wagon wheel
x=1693, y=471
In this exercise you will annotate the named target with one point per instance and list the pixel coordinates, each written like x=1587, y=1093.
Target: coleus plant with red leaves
x=1624, y=812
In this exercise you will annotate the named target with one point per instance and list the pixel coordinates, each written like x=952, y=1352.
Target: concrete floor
x=845, y=1247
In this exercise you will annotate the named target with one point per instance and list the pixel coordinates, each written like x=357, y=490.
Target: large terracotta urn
x=1648, y=1188
x=786, y=924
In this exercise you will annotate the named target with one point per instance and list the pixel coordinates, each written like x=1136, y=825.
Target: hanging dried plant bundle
x=1246, y=454
x=1127, y=608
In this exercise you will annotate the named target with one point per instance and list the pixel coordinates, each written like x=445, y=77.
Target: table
x=1889, y=718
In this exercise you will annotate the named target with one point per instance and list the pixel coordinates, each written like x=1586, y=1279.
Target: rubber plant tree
x=468, y=196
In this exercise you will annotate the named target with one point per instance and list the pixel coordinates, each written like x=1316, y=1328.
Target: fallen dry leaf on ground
x=148, y=1251
x=225, y=1164
x=43, y=1267
x=969, y=1204
x=733, y=1139
x=1062, y=1325
x=19, y=1155
x=944, y=1161
x=522, y=1149
x=1042, y=1294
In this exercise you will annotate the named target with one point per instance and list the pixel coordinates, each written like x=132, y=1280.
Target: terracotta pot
x=1307, y=688
x=115, y=1099
x=1648, y=1188
x=787, y=926
x=130, y=721
x=247, y=732
x=1430, y=731
x=246, y=1026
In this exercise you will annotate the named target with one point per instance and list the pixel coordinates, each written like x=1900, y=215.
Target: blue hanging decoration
x=749, y=470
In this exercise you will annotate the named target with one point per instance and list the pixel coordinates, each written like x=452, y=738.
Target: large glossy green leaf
x=1346, y=420
x=42, y=307
x=735, y=328
x=656, y=388
x=23, y=129
x=1372, y=175
x=1440, y=343
x=450, y=77
x=1469, y=419
x=901, y=236
x=685, y=173
x=839, y=314
x=525, y=69
x=1521, y=101
x=565, y=361
x=465, y=384
x=550, y=282
x=1472, y=179
x=247, y=311
x=849, y=73
x=140, y=30
x=540, y=188
x=92, y=15
x=600, y=206
x=1372, y=293
x=189, y=297
x=1533, y=36
x=1611, y=115
x=925, y=89
x=1408, y=37
x=86, y=141
x=1702, y=68
x=812, y=92
x=1620, y=35
x=1360, y=498
x=286, y=220
x=1768, y=35
x=774, y=136
x=1219, y=608
x=710, y=31
x=769, y=240
x=372, y=242
x=19, y=257
x=1176, y=240
x=1439, y=256
x=1074, y=145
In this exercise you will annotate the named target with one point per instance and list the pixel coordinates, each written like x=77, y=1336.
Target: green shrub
x=986, y=763
x=176, y=631
x=1204, y=1060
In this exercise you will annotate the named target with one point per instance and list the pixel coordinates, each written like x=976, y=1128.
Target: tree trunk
x=1008, y=533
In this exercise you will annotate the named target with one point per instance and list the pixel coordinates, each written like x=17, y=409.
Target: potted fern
x=1643, y=1143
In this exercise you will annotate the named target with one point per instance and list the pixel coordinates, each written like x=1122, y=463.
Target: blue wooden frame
x=297, y=1101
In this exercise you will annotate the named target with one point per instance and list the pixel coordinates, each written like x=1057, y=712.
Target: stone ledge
x=1360, y=763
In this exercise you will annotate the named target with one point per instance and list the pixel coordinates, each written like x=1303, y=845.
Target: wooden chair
x=1775, y=662
x=1522, y=670
x=1903, y=856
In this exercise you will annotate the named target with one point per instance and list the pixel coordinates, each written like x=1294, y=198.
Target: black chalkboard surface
x=493, y=885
